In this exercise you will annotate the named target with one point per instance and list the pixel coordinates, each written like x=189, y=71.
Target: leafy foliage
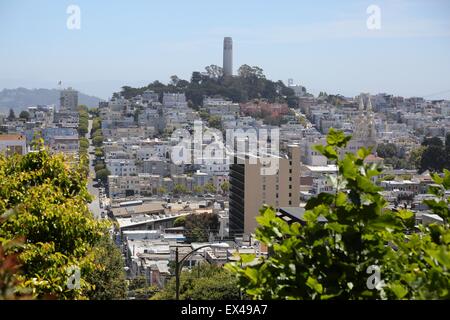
x=83, y=120
x=327, y=260
x=204, y=282
x=108, y=277
x=102, y=174
x=225, y=186
x=198, y=226
x=180, y=189
x=49, y=198
x=250, y=83
x=209, y=187
x=24, y=115
x=434, y=157
x=140, y=290
x=9, y=267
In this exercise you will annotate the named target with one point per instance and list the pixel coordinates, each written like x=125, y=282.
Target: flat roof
x=130, y=222
x=5, y=137
x=149, y=207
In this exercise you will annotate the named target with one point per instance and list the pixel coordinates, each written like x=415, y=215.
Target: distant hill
x=21, y=98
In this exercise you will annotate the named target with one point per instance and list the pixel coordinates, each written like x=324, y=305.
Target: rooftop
x=7, y=137
x=149, y=207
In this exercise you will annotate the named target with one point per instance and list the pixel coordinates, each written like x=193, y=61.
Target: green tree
x=204, y=282
x=213, y=71
x=102, y=174
x=180, y=221
x=99, y=152
x=250, y=83
x=447, y=151
x=162, y=190
x=11, y=115
x=433, y=157
x=180, y=189
x=97, y=141
x=99, y=166
x=96, y=125
x=225, y=186
x=84, y=143
x=198, y=189
x=140, y=290
x=9, y=267
x=209, y=187
x=94, y=112
x=420, y=265
x=415, y=157
x=108, y=278
x=49, y=197
x=324, y=260
x=199, y=226
x=24, y=115
x=215, y=122
x=387, y=150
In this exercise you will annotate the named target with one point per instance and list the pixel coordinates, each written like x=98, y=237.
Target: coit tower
x=227, y=56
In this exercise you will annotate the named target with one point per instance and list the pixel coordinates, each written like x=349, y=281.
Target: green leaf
x=446, y=180
x=337, y=138
x=436, y=178
x=348, y=168
x=362, y=153
x=399, y=290
x=405, y=214
x=341, y=199
x=247, y=258
x=314, y=284
x=322, y=198
x=252, y=274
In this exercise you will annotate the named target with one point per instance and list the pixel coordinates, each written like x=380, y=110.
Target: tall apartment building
x=250, y=190
x=68, y=100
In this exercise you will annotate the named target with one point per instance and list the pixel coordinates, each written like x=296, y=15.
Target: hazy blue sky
x=324, y=45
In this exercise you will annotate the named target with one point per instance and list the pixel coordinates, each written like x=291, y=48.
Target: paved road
x=94, y=206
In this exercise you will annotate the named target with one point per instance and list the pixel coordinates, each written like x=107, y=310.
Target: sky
x=323, y=45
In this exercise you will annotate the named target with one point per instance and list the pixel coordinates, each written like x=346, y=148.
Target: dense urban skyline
x=201, y=175
x=325, y=47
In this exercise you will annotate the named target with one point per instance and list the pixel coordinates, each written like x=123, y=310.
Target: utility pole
x=177, y=276
x=179, y=266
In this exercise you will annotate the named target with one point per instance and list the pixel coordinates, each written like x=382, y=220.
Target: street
x=94, y=206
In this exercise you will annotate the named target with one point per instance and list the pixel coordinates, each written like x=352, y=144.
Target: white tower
x=227, y=56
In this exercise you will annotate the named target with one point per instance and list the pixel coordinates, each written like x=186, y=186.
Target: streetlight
x=179, y=264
